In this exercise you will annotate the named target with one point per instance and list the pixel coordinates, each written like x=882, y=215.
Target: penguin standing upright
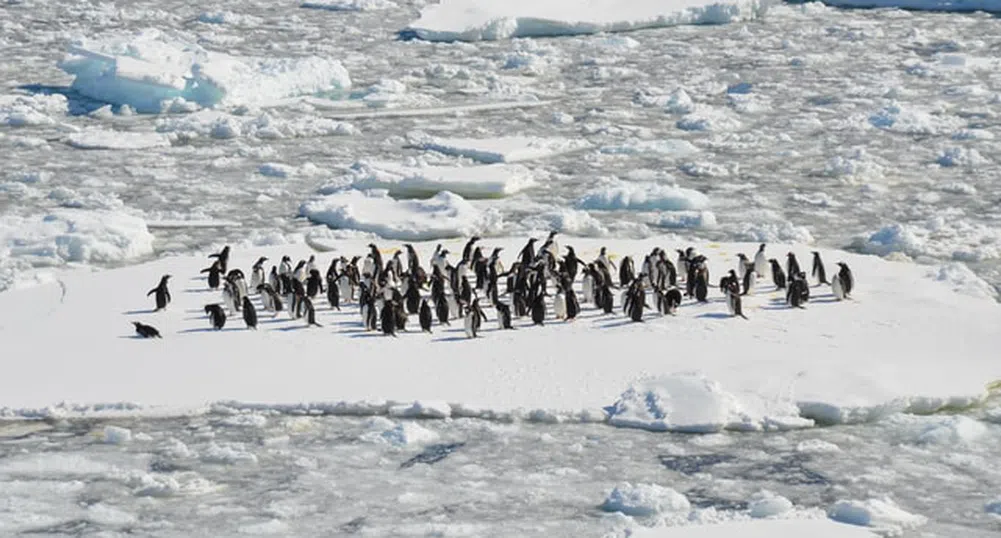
x=162, y=293
x=702, y=284
x=626, y=271
x=314, y=283
x=837, y=288
x=214, y=274
x=467, y=251
x=307, y=305
x=847, y=278
x=249, y=313
x=560, y=305
x=441, y=309
x=778, y=277
x=503, y=316
x=572, y=263
x=257, y=275
x=733, y=301
x=573, y=306
x=425, y=316
x=223, y=257
x=538, y=308
x=388, y=319
x=216, y=316
x=792, y=266
x=798, y=292
x=818, y=270
x=474, y=319
x=750, y=277
x=636, y=301
x=760, y=261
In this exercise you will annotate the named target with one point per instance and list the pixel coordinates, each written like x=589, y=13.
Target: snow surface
x=883, y=515
x=771, y=528
x=846, y=361
x=505, y=149
x=486, y=20
x=488, y=181
x=617, y=194
x=76, y=235
x=150, y=70
x=924, y=5
x=643, y=500
x=442, y=216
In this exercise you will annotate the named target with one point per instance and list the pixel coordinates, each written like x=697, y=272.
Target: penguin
x=572, y=263
x=587, y=286
x=223, y=257
x=636, y=301
x=560, y=305
x=733, y=301
x=792, y=266
x=760, y=261
x=626, y=271
x=162, y=293
x=216, y=316
x=388, y=319
x=285, y=266
x=467, y=251
x=818, y=270
x=214, y=271
x=442, y=310
x=236, y=277
x=274, y=279
x=847, y=278
x=671, y=299
x=527, y=254
x=334, y=295
x=750, y=276
x=307, y=305
x=270, y=299
x=412, y=296
x=604, y=261
x=257, y=275
x=503, y=316
x=743, y=263
x=314, y=283
x=376, y=259
x=837, y=288
x=573, y=305
x=778, y=277
x=311, y=264
x=231, y=296
x=249, y=313
x=300, y=272
x=474, y=319
x=682, y=262
x=425, y=316
x=798, y=292
x=701, y=285
x=146, y=331
x=539, y=310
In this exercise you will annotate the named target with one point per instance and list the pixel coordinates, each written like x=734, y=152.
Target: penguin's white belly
x=453, y=307
x=560, y=306
x=469, y=325
x=837, y=288
x=587, y=289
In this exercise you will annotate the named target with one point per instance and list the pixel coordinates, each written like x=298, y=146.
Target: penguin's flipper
x=151, y=292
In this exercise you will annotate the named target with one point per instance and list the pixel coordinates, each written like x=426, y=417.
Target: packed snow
x=882, y=515
x=507, y=149
x=495, y=377
x=444, y=215
x=76, y=235
x=488, y=181
x=151, y=70
x=479, y=20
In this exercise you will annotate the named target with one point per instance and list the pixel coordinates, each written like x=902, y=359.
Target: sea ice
x=115, y=435
x=104, y=139
x=926, y=5
x=618, y=194
x=487, y=181
x=760, y=528
x=505, y=149
x=480, y=20
x=150, y=69
x=22, y=110
x=444, y=215
x=76, y=235
x=883, y=515
x=350, y=5
x=409, y=433
x=642, y=500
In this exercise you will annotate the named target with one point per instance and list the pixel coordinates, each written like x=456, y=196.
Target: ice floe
x=104, y=139
x=487, y=181
x=76, y=235
x=444, y=215
x=18, y=110
x=925, y=5
x=644, y=500
x=220, y=125
x=505, y=149
x=480, y=20
x=760, y=528
x=150, y=70
x=350, y=5
x=882, y=515
x=617, y=194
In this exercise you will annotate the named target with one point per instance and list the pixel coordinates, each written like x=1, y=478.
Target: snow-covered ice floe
x=618, y=194
x=75, y=235
x=488, y=181
x=701, y=370
x=921, y=5
x=759, y=528
x=104, y=139
x=505, y=149
x=444, y=215
x=486, y=20
x=150, y=70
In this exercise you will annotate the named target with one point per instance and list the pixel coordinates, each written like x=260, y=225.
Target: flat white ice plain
x=459, y=20
x=907, y=342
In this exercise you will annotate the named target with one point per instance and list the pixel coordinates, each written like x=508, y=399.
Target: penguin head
x=761, y=247
x=137, y=324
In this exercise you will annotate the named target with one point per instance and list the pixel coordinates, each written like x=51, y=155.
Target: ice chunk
x=758, y=528
x=148, y=70
x=103, y=139
x=643, y=197
x=883, y=515
x=442, y=216
x=24, y=110
x=505, y=149
x=72, y=235
x=409, y=433
x=489, y=181
x=687, y=219
x=645, y=500
x=114, y=435
x=690, y=403
x=668, y=147
x=969, y=158
x=484, y=20
x=767, y=504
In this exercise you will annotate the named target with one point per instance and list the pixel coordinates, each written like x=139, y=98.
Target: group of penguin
x=389, y=291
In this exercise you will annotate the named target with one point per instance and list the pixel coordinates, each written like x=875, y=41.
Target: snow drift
x=150, y=70
x=486, y=20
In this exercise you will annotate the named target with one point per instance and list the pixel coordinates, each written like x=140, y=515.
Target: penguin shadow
x=210, y=330
x=714, y=315
x=198, y=290
x=134, y=337
x=272, y=320
x=138, y=312
x=292, y=328
x=618, y=323
x=453, y=339
x=369, y=334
